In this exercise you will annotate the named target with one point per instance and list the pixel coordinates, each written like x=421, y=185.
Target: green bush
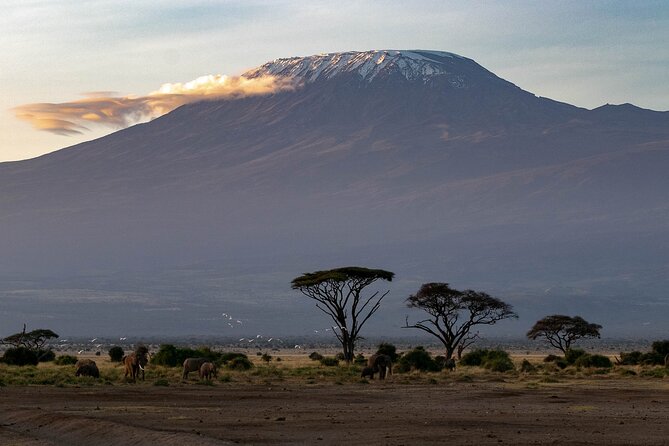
x=240, y=363
x=45, y=355
x=417, y=359
x=116, y=354
x=360, y=359
x=631, y=358
x=66, y=360
x=161, y=382
x=499, y=364
x=20, y=356
x=661, y=348
x=315, y=356
x=266, y=357
x=598, y=361
x=170, y=356
x=527, y=367
x=340, y=356
x=561, y=363
x=329, y=361
x=474, y=358
x=495, y=360
x=573, y=354
x=552, y=358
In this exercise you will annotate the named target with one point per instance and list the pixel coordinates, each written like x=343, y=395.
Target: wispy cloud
x=104, y=108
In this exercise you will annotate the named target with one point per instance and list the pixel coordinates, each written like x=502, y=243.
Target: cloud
x=107, y=109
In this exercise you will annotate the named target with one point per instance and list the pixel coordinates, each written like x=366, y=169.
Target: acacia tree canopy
x=337, y=293
x=561, y=331
x=33, y=340
x=453, y=313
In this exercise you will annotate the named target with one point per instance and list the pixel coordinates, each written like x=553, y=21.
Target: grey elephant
x=368, y=372
x=193, y=365
x=86, y=367
x=380, y=363
x=135, y=362
x=208, y=371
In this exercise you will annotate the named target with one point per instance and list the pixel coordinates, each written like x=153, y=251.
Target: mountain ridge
x=480, y=183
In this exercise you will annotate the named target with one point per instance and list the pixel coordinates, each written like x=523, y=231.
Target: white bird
x=122, y=339
x=242, y=339
x=94, y=339
x=270, y=340
x=230, y=324
x=238, y=321
x=297, y=346
x=63, y=340
x=251, y=340
x=315, y=331
x=80, y=352
x=224, y=314
x=258, y=336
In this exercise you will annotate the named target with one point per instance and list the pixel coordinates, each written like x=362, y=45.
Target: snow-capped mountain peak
x=414, y=65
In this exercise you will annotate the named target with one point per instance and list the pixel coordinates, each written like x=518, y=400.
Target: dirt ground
x=612, y=412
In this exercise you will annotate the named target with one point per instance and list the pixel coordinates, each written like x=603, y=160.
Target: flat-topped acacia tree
x=452, y=313
x=561, y=331
x=338, y=293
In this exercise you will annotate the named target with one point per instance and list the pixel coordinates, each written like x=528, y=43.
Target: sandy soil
x=612, y=412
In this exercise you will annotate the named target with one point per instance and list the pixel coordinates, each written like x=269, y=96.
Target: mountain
x=420, y=162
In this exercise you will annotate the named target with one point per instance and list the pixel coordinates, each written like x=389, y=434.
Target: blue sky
x=587, y=53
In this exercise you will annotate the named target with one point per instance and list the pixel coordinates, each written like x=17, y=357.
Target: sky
x=586, y=53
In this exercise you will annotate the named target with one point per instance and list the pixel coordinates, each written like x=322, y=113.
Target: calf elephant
x=193, y=365
x=368, y=372
x=380, y=363
x=86, y=367
x=208, y=371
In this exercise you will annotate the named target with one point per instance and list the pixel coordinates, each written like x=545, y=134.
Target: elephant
x=368, y=371
x=86, y=367
x=135, y=362
x=380, y=363
x=193, y=365
x=208, y=371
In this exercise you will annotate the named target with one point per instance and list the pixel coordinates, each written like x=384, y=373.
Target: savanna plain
x=289, y=398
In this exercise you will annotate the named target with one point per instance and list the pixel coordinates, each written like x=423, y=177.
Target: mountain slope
x=372, y=154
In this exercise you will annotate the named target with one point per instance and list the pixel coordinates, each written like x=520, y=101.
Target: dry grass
x=297, y=367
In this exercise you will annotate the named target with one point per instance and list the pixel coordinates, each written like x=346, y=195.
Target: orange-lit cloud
x=104, y=108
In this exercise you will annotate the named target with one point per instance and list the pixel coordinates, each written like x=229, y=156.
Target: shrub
x=45, y=355
x=229, y=357
x=527, y=367
x=20, y=356
x=116, y=354
x=661, y=348
x=240, y=363
x=360, y=359
x=161, y=382
x=631, y=358
x=387, y=349
x=552, y=358
x=329, y=361
x=266, y=357
x=417, y=359
x=495, y=360
x=170, y=356
x=573, y=354
x=315, y=356
x=598, y=361
x=340, y=356
x=66, y=360
x=499, y=364
x=474, y=358
x=561, y=363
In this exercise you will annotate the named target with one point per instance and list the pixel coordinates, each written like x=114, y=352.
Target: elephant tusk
x=140, y=367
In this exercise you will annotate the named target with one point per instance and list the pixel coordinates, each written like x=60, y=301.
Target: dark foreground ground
x=612, y=412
